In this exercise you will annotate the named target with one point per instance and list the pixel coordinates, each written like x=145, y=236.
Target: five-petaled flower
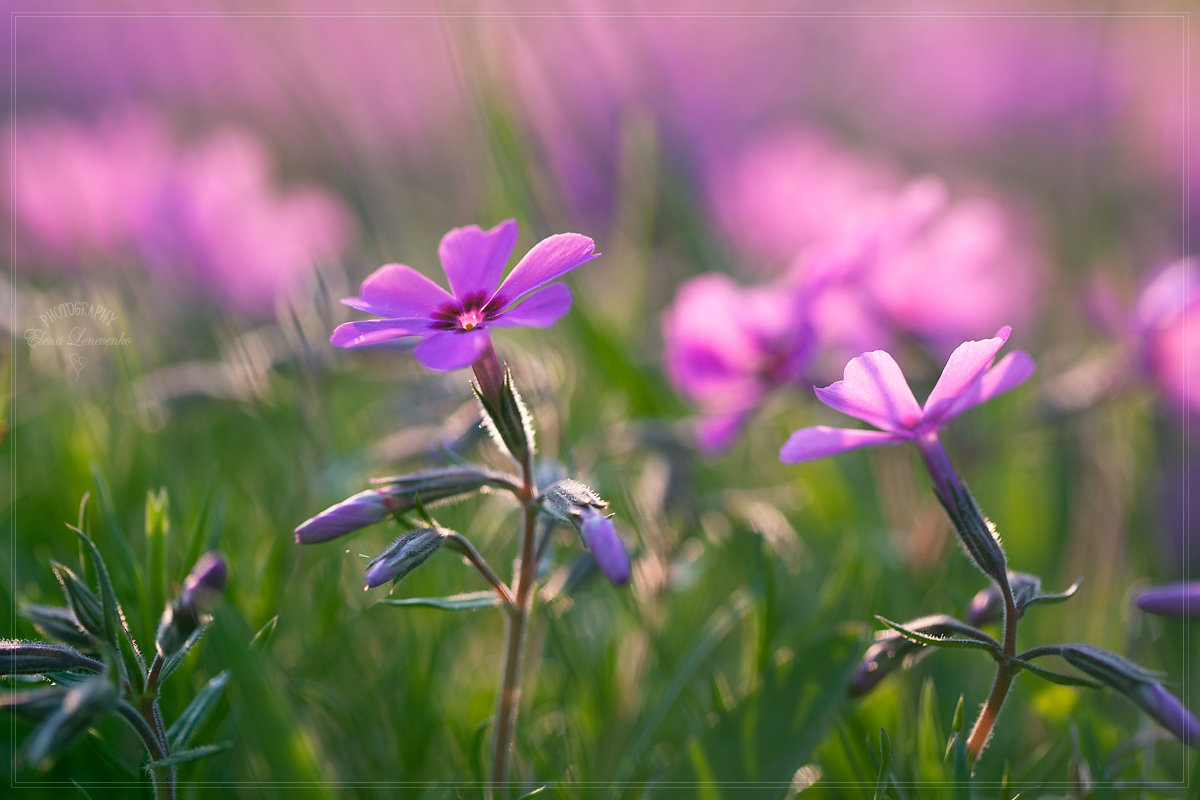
x=453, y=325
x=874, y=390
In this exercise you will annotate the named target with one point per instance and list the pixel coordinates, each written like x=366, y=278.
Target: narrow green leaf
x=940, y=641
x=191, y=754
x=182, y=730
x=1055, y=597
x=457, y=602
x=534, y=793
x=263, y=637
x=196, y=541
x=885, y=765
x=82, y=601
x=133, y=575
x=774, y=729
x=108, y=598
x=158, y=528
x=715, y=629
x=930, y=754
x=1055, y=677
x=175, y=659
x=961, y=770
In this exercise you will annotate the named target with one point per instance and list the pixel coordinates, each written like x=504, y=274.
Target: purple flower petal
x=540, y=311
x=966, y=364
x=549, y=259
x=374, y=331
x=396, y=290
x=874, y=390
x=474, y=258
x=449, y=350
x=1174, y=600
x=1012, y=370
x=808, y=444
x=600, y=536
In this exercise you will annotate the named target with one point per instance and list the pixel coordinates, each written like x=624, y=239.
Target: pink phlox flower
x=875, y=391
x=453, y=326
x=727, y=347
x=1166, y=307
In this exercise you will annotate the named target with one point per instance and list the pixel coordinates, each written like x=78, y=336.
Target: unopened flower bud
x=37, y=658
x=600, y=536
x=575, y=503
x=1175, y=600
x=988, y=604
x=184, y=615
x=1138, y=684
x=207, y=577
x=405, y=554
x=1167, y=711
x=363, y=509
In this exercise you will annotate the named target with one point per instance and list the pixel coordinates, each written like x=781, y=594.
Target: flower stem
x=982, y=730
x=483, y=568
x=510, y=686
x=937, y=462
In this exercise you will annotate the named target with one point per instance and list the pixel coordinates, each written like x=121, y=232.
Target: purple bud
x=207, y=576
x=1174, y=600
x=405, y=554
x=1167, y=711
x=183, y=616
x=988, y=604
x=363, y=509
x=600, y=536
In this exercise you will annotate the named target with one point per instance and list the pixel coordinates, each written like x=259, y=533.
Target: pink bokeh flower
x=453, y=326
x=1167, y=307
x=206, y=215
x=727, y=347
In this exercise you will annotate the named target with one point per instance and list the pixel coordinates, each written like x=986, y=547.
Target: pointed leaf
x=108, y=598
x=82, y=601
x=181, y=731
x=457, y=602
x=990, y=648
x=1055, y=677
x=191, y=754
x=885, y=765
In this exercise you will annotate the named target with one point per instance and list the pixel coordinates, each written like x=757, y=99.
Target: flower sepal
x=975, y=531
x=508, y=420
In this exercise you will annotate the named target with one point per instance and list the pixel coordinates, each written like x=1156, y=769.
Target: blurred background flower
x=775, y=190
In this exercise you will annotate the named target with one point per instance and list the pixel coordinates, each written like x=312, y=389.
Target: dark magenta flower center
x=471, y=312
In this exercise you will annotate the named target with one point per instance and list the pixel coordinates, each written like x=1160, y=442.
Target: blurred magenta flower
x=1167, y=307
x=453, y=326
x=875, y=391
x=204, y=215
x=77, y=192
x=1173, y=600
x=219, y=223
x=727, y=347
x=792, y=190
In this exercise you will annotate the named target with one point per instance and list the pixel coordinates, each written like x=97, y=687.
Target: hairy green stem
x=982, y=730
x=510, y=687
